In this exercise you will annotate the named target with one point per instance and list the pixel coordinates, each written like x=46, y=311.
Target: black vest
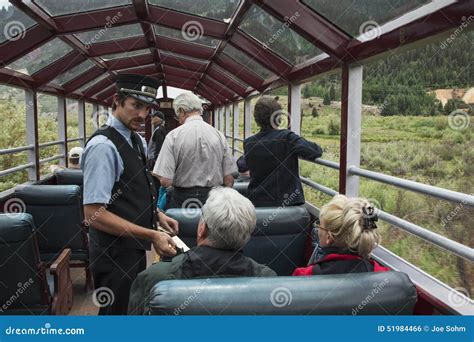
x=133, y=196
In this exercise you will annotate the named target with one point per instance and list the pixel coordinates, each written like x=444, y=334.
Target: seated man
x=227, y=222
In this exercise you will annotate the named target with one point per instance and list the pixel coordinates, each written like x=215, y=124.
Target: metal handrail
x=16, y=149
x=454, y=247
x=429, y=190
x=16, y=169
x=424, y=189
x=324, y=162
x=319, y=187
x=75, y=139
x=236, y=149
x=51, y=143
x=56, y=157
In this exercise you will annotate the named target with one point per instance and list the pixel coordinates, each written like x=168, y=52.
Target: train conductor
x=120, y=197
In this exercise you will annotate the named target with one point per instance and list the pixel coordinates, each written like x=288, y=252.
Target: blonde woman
x=347, y=235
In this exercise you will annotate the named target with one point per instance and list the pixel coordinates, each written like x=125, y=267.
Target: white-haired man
x=195, y=157
x=227, y=222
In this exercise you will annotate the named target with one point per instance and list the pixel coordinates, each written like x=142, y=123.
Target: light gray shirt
x=195, y=154
x=102, y=165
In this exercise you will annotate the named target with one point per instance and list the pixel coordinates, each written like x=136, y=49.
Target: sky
x=5, y=3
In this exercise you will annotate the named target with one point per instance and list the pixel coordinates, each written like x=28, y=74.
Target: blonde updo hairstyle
x=345, y=219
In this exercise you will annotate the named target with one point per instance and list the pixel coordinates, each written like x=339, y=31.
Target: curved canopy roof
x=223, y=50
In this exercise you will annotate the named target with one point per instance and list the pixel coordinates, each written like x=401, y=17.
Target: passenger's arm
x=166, y=182
x=106, y=221
x=228, y=165
x=165, y=165
x=303, y=148
x=229, y=181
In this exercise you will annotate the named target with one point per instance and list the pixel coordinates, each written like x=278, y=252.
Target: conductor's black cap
x=141, y=87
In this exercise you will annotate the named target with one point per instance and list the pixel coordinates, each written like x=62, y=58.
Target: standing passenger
x=272, y=158
x=194, y=157
x=157, y=138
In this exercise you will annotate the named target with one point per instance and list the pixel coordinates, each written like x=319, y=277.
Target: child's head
x=349, y=223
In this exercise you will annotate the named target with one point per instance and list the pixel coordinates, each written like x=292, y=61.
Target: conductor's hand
x=163, y=244
x=169, y=223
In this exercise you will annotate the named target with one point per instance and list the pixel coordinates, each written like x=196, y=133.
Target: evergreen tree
x=327, y=100
x=332, y=93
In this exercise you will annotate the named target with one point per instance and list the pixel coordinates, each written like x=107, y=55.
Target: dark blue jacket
x=272, y=158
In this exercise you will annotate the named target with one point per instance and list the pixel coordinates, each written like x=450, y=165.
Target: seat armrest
x=62, y=296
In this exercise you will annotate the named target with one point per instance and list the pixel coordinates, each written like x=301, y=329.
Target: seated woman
x=347, y=235
x=272, y=158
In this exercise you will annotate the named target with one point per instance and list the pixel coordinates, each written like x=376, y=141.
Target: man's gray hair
x=187, y=102
x=230, y=218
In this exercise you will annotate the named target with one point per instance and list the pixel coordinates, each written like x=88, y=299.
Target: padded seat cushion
x=278, y=241
x=383, y=293
x=69, y=177
x=242, y=188
x=15, y=227
x=50, y=195
x=58, y=214
x=20, y=278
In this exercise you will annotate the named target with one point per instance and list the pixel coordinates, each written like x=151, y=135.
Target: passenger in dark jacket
x=227, y=222
x=272, y=158
x=347, y=235
x=157, y=138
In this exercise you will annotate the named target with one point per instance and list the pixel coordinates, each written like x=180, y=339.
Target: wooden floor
x=82, y=302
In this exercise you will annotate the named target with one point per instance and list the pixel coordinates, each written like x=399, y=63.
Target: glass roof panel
x=136, y=67
x=40, y=57
x=125, y=54
x=359, y=17
x=56, y=8
x=94, y=81
x=73, y=72
x=190, y=35
x=13, y=23
x=278, y=36
x=112, y=33
x=226, y=73
x=243, y=59
x=164, y=54
x=215, y=9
